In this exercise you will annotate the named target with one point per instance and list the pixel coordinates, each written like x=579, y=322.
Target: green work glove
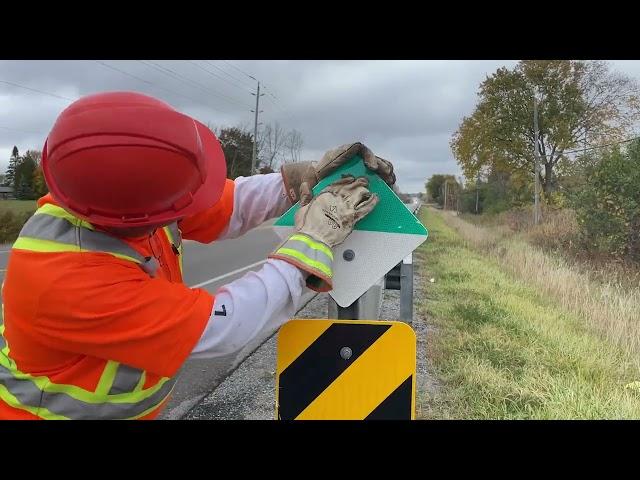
x=300, y=178
x=324, y=223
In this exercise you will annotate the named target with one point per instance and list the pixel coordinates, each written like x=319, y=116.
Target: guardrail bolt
x=348, y=255
x=345, y=352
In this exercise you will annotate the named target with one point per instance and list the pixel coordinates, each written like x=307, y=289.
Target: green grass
x=18, y=206
x=502, y=350
x=13, y=214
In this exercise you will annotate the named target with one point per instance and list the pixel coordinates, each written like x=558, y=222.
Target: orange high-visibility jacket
x=87, y=332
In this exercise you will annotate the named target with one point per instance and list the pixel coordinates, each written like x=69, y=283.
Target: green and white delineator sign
x=380, y=241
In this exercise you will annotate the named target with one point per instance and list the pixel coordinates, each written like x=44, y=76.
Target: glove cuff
x=309, y=255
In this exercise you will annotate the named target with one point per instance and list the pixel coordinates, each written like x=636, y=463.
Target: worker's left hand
x=300, y=178
x=324, y=223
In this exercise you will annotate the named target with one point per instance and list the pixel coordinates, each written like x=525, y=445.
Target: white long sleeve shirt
x=263, y=299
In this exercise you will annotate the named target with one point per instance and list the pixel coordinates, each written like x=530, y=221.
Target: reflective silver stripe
x=176, y=236
x=126, y=379
x=28, y=394
x=48, y=227
x=312, y=253
x=150, y=265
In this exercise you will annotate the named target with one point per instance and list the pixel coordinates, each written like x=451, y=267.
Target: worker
x=97, y=320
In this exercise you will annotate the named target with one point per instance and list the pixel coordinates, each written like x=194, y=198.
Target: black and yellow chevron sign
x=345, y=370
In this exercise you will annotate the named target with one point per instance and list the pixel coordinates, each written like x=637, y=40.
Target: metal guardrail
x=368, y=306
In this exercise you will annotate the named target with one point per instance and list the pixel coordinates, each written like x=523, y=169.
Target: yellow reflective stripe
x=4, y=352
x=77, y=393
x=12, y=401
x=151, y=409
x=167, y=231
x=143, y=378
x=49, y=246
x=55, y=211
x=122, y=257
x=306, y=260
x=313, y=244
x=107, y=377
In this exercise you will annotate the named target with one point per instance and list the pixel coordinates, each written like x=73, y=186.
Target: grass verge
x=505, y=348
x=18, y=206
x=13, y=215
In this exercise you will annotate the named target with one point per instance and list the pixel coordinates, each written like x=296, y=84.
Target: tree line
x=589, y=161
x=24, y=175
x=275, y=145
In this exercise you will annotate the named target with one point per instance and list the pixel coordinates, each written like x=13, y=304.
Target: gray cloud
x=403, y=110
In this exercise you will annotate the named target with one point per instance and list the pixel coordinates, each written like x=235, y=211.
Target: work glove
x=300, y=178
x=324, y=223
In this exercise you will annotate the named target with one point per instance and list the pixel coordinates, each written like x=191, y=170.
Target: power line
x=282, y=108
x=218, y=76
x=240, y=70
x=179, y=77
x=238, y=82
x=146, y=81
x=38, y=91
x=269, y=88
x=278, y=103
x=286, y=113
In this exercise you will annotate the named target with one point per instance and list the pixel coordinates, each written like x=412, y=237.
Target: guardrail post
x=406, y=289
x=367, y=307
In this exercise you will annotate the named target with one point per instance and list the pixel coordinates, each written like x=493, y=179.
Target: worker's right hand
x=324, y=223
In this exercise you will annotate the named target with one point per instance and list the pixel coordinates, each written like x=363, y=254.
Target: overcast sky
x=405, y=111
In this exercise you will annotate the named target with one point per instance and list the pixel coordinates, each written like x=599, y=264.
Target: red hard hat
x=124, y=159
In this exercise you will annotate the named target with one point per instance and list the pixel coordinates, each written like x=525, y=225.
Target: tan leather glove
x=300, y=178
x=324, y=223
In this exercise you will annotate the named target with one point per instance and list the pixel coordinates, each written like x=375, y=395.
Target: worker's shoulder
x=40, y=285
x=61, y=270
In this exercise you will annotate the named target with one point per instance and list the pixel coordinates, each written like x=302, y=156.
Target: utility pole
x=536, y=213
x=445, y=194
x=477, y=191
x=255, y=129
x=584, y=152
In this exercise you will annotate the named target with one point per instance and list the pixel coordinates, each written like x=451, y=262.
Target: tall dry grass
x=610, y=307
